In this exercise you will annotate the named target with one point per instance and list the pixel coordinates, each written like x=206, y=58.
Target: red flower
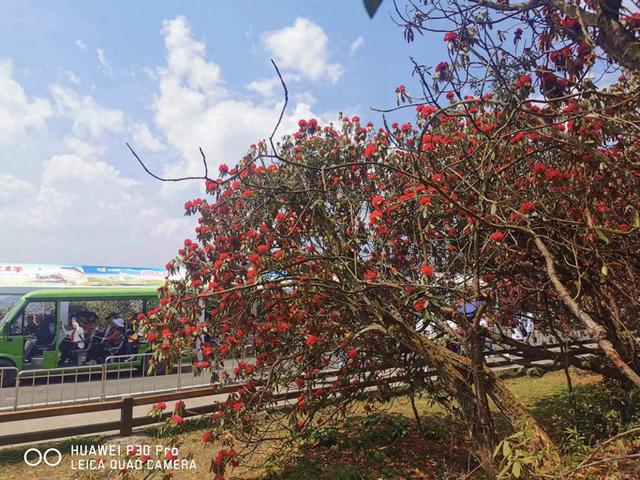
x=420, y=305
x=450, y=95
x=527, y=207
x=311, y=340
x=206, y=437
x=370, y=150
x=171, y=456
x=441, y=67
x=426, y=270
x=496, y=237
x=177, y=419
x=377, y=200
x=538, y=168
x=401, y=89
x=159, y=406
x=450, y=36
x=374, y=217
x=302, y=123
x=223, y=168
x=152, y=337
x=352, y=353
x=370, y=276
x=523, y=81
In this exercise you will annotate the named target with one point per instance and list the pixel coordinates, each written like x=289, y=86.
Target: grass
x=369, y=446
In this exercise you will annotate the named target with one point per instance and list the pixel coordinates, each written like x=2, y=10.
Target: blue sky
x=78, y=79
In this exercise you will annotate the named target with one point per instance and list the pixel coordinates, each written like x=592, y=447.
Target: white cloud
x=193, y=108
x=72, y=77
x=18, y=114
x=86, y=115
x=302, y=47
x=13, y=190
x=357, y=43
x=103, y=63
x=86, y=211
x=306, y=97
x=81, y=45
x=186, y=62
x=144, y=139
x=84, y=149
x=271, y=88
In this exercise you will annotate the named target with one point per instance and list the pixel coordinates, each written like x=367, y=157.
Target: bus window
x=37, y=316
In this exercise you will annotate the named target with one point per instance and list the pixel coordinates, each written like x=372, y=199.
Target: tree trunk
x=456, y=373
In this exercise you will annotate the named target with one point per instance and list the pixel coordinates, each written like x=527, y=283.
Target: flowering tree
x=545, y=58
x=348, y=247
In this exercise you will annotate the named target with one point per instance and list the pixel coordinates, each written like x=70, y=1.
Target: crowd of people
x=79, y=334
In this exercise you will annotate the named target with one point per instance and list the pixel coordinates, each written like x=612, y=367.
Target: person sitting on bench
x=108, y=342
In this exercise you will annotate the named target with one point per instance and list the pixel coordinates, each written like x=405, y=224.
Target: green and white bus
x=33, y=314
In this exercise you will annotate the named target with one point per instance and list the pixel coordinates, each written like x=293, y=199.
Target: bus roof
x=84, y=293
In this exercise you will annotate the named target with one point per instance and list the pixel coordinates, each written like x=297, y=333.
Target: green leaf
x=497, y=450
x=372, y=6
x=516, y=469
x=603, y=236
x=506, y=449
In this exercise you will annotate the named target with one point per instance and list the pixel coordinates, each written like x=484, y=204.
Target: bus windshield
x=7, y=301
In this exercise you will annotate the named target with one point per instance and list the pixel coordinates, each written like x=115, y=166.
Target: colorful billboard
x=46, y=275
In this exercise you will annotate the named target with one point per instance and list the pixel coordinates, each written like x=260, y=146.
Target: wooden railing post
x=126, y=416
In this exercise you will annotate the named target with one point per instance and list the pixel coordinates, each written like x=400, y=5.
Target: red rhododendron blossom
x=426, y=270
x=527, y=207
x=420, y=305
x=450, y=36
x=177, y=419
x=442, y=66
x=377, y=201
x=370, y=276
x=311, y=340
x=352, y=353
x=522, y=81
x=369, y=151
x=496, y=237
x=159, y=406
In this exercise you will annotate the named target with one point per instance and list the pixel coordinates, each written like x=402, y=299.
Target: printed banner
x=45, y=275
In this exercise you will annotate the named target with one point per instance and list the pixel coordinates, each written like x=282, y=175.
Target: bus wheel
x=8, y=376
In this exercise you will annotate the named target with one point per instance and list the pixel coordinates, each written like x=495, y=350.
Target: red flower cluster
x=370, y=276
x=450, y=36
x=442, y=67
x=496, y=237
x=311, y=340
x=426, y=270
